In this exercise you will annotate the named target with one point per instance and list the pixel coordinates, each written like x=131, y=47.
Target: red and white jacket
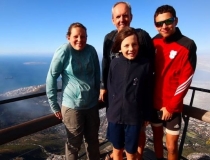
x=175, y=63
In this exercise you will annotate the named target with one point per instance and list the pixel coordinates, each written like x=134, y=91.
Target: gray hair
x=123, y=2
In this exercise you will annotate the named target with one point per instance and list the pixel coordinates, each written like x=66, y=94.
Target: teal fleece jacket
x=80, y=74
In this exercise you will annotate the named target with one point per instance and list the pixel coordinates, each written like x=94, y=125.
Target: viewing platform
x=30, y=131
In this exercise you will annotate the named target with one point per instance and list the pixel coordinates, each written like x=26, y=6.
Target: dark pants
x=79, y=124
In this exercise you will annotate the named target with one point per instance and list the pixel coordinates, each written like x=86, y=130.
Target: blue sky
x=40, y=26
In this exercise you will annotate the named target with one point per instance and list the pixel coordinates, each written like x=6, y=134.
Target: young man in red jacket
x=175, y=63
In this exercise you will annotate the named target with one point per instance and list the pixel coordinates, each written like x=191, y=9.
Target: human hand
x=146, y=123
x=102, y=95
x=166, y=115
x=58, y=115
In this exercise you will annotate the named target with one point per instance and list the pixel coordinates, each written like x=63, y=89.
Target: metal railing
x=15, y=132
x=190, y=111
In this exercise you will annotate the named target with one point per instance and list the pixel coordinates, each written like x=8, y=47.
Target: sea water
x=18, y=71
x=25, y=70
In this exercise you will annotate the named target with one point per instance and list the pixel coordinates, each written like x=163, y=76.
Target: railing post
x=186, y=122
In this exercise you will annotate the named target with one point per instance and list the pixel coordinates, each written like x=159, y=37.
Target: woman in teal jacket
x=78, y=65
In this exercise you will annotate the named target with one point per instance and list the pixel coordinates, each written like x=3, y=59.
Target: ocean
x=18, y=71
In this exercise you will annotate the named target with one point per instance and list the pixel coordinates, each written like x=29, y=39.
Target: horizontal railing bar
x=24, y=97
x=59, y=90
x=200, y=89
x=197, y=113
x=24, y=129
x=15, y=132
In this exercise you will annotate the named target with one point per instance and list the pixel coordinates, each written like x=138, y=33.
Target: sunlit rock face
x=198, y=156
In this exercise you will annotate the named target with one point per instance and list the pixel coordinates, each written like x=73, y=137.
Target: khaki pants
x=81, y=123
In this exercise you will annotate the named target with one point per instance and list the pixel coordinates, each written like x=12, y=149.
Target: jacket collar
x=174, y=37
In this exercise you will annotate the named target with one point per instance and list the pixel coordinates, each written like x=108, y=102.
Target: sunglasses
x=167, y=22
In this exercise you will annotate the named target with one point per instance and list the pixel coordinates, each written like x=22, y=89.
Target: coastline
x=22, y=91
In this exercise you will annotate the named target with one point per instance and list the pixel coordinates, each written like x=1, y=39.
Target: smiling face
x=121, y=16
x=77, y=38
x=168, y=28
x=129, y=47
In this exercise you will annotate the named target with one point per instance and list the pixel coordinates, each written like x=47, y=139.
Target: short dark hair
x=74, y=25
x=165, y=9
x=121, y=35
